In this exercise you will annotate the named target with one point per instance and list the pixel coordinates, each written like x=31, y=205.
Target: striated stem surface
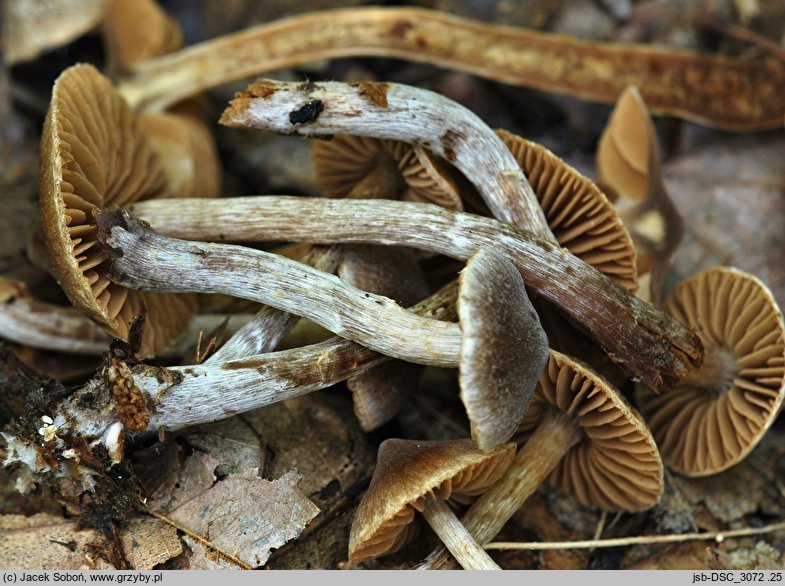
x=403, y=113
x=645, y=342
x=732, y=93
x=458, y=541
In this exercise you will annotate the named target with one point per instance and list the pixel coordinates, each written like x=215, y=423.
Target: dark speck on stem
x=308, y=113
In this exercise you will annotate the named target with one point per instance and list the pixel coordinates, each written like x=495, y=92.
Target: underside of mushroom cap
x=581, y=218
x=503, y=347
x=406, y=472
x=344, y=161
x=715, y=416
x=93, y=156
x=616, y=466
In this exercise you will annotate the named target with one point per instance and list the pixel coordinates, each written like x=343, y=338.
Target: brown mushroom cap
x=344, y=161
x=136, y=30
x=616, y=466
x=93, y=155
x=623, y=150
x=581, y=218
x=406, y=472
x=503, y=347
x=714, y=417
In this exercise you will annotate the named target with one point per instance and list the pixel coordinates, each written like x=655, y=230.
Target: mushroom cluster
x=544, y=300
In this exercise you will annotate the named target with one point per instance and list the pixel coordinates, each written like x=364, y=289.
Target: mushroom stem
x=510, y=55
x=403, y=113
x=269, y=326
x=144, y=259
x=51, y=327
x=644, y=341
x=716, y=374
x=455, y=537
x=191, y=395
x=535, y=460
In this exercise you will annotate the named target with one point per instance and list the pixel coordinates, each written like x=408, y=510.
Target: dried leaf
x=247, y=516
x=49, y=542
x=729, y=189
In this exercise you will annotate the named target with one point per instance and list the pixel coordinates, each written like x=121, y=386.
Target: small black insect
x=307, y=113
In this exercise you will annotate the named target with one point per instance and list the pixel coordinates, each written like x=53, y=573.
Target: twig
x=718, y=536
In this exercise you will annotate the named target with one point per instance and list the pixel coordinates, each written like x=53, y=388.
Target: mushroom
x=628, y=164
x=29, y=322
x=644, y=341
x=383, y=167
x=377, y=393
x=499, y=345
x=420, y=476
x=92, y=155
x=401, y=113
x=582, y=434
x=718, y=413
x=137, y=30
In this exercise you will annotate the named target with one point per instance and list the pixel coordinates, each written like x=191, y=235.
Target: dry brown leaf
x=729, y=189
x=247, y=516
x=49, y=542
x=31, y=27
x=317, y=434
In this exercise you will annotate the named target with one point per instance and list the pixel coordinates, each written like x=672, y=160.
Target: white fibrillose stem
x=647, y=343
x=144, y=259
x=403, y=113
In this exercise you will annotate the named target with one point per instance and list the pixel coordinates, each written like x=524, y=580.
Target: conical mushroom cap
x=344, y=161
x=714, y=417
x=623, y=150
x=93, y=155
x=394, y=272
x=406, y=472
x=578, y=213
x=503, y=347
x=136, y=30
x=616, y=465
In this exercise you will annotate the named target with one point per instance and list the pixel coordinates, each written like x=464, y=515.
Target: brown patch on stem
x=376, y=93
x=129, y=401
x=258, y=89
x=451, y=141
